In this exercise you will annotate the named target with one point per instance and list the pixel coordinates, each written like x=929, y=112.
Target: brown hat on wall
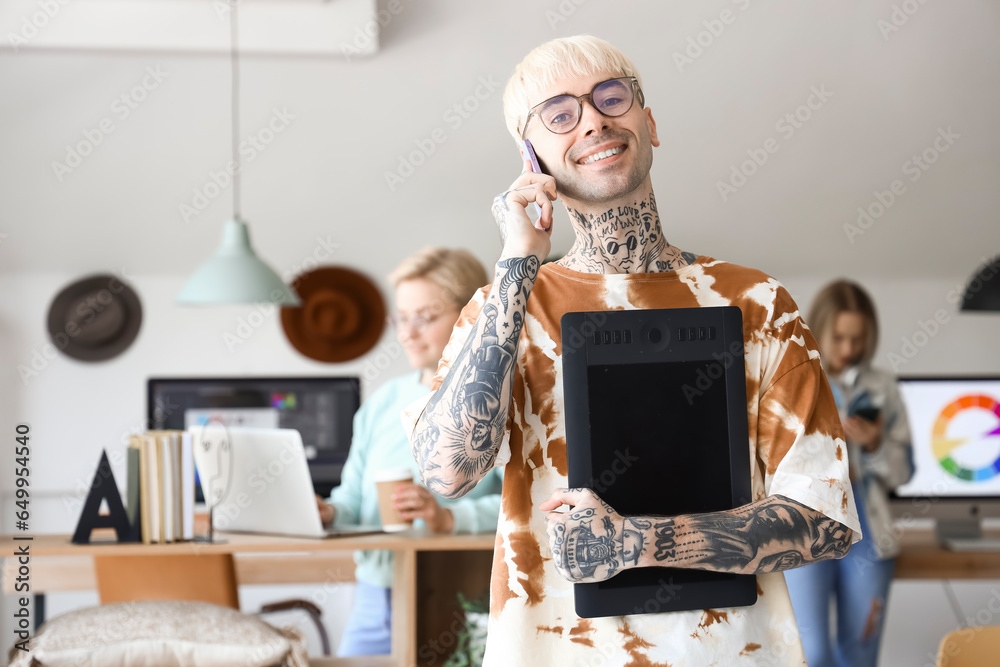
x=95, y=318
x=342, y=315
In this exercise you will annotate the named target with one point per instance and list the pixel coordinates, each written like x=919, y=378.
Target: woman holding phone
x=880, y=455
x=432, y=287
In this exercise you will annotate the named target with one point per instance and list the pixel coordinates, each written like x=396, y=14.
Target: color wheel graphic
x=944, y=445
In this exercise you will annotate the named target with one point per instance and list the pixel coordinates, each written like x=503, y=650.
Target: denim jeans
x=368, y=627
x=859, y=585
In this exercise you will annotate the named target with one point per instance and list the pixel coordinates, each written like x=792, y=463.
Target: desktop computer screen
x=321, y=409
x=955, y=430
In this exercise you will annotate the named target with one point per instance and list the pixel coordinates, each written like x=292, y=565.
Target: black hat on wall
x=95, y=318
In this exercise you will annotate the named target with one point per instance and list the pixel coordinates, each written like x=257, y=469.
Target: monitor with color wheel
x=955, y=429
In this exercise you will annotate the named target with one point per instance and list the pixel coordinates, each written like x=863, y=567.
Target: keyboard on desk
x=972, y=544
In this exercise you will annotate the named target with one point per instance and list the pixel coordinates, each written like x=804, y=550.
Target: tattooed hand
x=519, y=236
x=591, y=542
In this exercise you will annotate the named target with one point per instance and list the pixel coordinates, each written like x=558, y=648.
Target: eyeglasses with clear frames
x=417, y=323
x=611, y=98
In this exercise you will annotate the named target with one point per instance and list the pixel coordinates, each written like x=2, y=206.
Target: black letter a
x=104, y=488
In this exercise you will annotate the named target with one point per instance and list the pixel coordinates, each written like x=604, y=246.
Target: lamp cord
x=956, y=608
x=235, y=89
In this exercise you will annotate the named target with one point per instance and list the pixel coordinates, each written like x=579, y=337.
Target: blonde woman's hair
x=454, y=270
x=844, y=296
x=582, y=55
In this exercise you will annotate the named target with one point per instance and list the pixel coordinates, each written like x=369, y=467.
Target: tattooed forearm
x=593, y=542
x=457, y=438
x=770, y=535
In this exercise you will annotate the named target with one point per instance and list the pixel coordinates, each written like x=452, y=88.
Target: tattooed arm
x=457, y=437
x=460, y=431
x=593, y=542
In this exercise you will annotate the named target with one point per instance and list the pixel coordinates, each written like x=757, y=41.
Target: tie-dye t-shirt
x=796, y=445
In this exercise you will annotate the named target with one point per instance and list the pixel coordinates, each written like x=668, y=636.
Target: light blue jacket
x=380, y=442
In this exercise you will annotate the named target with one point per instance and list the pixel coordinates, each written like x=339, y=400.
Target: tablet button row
x=613, y=337
x=695, y=333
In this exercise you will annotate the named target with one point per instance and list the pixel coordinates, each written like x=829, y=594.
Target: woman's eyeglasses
x=417, y=323
x=611, y=98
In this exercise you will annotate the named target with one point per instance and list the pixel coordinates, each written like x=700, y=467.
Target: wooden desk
x=429, y=569
x=922, y=557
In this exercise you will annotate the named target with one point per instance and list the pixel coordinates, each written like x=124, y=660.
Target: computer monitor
x=321, y=409
x=955, y=429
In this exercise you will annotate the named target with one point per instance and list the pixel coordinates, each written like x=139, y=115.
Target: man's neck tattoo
x=625, y=238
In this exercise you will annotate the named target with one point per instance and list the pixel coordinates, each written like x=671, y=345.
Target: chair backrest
x=198, y=577
x=970, y=647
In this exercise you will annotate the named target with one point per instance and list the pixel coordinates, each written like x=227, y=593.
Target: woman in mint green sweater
x=432, y=287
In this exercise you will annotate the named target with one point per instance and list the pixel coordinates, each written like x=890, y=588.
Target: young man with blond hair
x=498, y=399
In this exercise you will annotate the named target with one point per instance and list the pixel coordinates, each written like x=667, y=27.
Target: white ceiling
x=324, y=175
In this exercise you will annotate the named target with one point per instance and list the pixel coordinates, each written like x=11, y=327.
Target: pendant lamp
x=235, y=274
x=982, y=293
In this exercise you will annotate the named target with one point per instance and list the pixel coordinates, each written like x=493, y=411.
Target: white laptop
x=257, y=481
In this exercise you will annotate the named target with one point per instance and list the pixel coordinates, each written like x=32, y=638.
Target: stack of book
x=161, y=485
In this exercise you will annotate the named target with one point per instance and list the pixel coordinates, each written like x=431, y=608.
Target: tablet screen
x=659, y=437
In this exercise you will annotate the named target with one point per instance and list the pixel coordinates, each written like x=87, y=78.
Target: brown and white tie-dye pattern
x=797, y=451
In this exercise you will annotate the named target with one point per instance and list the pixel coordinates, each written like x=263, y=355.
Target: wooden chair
x=199, y=577
x=970, y=647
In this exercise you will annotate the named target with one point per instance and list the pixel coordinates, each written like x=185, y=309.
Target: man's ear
x=651, y=124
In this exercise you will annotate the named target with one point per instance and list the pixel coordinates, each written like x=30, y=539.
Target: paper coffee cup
x=386, y=482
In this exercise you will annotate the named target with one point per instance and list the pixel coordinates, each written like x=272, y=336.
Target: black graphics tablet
x=656, y=424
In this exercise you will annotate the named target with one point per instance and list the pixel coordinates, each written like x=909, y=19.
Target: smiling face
x=601, y=159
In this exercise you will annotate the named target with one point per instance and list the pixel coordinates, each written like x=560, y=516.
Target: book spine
x=187, y=486
x=148, y=488
x=155, y=491
x=133, y=491
x=175, y=464
x=163, y=449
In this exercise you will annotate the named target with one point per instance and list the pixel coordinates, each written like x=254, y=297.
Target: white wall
x=922, y=329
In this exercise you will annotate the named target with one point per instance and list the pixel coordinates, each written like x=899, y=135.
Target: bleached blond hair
x=577, y=56
x=454, y=270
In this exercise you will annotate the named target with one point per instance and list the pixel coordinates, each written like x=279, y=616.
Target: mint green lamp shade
x=236, y=275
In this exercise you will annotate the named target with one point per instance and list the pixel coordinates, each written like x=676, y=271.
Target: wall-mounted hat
x=341, y=317
x=95, y=318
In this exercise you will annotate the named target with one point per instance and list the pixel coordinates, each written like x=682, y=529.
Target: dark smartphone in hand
x=868, y=414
